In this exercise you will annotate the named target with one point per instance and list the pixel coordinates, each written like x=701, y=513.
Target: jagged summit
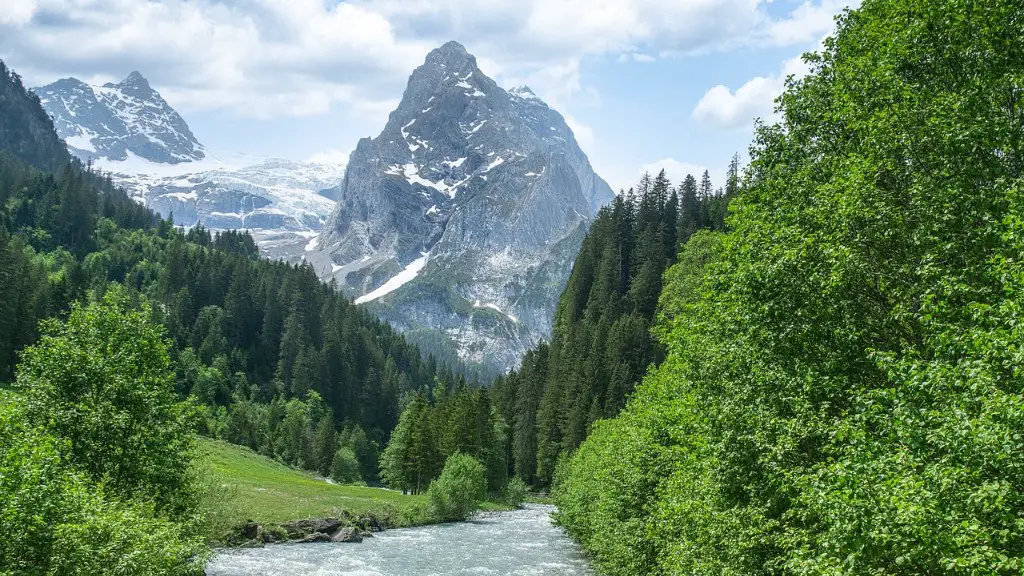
x=463, y=217
x=450, y=54
x=115, y=120
x=135, y=84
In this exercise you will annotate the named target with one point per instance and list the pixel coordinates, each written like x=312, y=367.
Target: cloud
x=677, y=170
x=331, y=157
x=272, y=58
x=19, y=13
x=723, y=108
x=584, y=134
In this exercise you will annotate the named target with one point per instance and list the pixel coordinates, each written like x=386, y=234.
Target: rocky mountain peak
x=135, y=84
x=450, y=54
x=115, y=120
x=466, y=211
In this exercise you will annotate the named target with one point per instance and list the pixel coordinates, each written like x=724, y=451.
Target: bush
x=515, y=492
x=53, y=521
x=345, y=467
x=102, y=384
x=459, y=490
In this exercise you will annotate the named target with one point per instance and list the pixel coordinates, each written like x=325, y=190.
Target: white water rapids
x=520, y=543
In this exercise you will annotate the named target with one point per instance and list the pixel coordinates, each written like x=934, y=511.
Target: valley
x=805, y=363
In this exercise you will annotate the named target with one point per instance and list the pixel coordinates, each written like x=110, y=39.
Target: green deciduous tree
x=102, y=383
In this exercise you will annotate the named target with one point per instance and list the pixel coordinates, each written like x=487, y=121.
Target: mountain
x=461, y=220
x=129, y=130
x=26, y=131
x=115, y=121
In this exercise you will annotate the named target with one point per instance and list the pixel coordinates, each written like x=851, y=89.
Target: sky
x=644, y=84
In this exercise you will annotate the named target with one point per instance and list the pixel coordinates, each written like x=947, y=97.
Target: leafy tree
x=345, y=467
x=841, y=393
x=459, y=490
x=102, y=383
x=54, y=521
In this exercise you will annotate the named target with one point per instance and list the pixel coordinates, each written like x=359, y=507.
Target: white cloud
x=332, y=157
x=721, y=107
x=17, y=12
x=676, y=171
x=272, y=58
x=584, y=134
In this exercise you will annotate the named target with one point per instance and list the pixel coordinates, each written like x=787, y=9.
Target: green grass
x=240, y=485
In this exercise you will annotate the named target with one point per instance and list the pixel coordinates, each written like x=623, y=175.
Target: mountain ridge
x=114, y=120
x=463, y=216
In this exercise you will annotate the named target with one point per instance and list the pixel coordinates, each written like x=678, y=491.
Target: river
x=523, y=542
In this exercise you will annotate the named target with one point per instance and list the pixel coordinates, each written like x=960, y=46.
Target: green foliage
x=842, y=391
x=602, y=345
x=460, y=489
x=458, y=421
x=54, y=521
x=345, y=468
x=102, y=383
x=515, y=492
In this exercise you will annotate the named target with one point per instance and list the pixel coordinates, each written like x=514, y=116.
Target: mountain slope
x=114, y=121
x=25, y=130
x=461, y=220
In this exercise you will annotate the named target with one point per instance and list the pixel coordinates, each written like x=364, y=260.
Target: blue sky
x=644, y=83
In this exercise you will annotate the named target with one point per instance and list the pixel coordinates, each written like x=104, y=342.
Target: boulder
x=315, y=537
x=303, y=528
x=348, y=534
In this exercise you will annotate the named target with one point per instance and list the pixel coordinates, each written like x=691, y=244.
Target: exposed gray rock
x=315, y=537
x=113, y=120
x=347, y=534
x=472, y=204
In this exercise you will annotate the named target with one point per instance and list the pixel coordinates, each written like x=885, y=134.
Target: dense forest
x=600, y=349
x=842, y=387
x=602, y=344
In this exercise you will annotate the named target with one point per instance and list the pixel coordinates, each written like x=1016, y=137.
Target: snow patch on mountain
x=397, y=281
x=115, y=120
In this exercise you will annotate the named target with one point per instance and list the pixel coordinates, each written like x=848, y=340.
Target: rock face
x=115, y=120
x=461, y=220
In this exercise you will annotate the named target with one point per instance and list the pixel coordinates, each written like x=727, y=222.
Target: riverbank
x=241, y=486
x=502, y=544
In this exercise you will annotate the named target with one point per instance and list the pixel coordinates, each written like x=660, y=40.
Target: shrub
x=345, y=466
x=515, y=492
x=53, y=521
x=459, y=490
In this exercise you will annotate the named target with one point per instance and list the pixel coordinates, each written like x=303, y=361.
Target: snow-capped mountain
x=461, y=220
x=128, y=129
x=115, y=120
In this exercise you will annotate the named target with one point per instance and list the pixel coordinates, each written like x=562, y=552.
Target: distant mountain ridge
x=130, y=130
x=461, y=220
x=115, y=121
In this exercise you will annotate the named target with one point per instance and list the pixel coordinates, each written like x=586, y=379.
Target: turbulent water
x=523, y=542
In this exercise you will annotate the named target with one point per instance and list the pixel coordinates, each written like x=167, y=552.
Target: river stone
x=302, y=528
x=250, y=530
x=315, y=537
x=347, y=534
